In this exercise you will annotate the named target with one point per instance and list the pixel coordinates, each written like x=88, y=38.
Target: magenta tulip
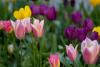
x=54, y=60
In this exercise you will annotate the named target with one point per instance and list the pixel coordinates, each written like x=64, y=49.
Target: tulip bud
x=1, y=25
x=71, y=52
x=54, y=60
x=10, y=48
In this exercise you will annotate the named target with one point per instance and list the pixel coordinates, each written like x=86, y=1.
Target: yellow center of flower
x=97, y=29
x=95, y=2
x=22, y=13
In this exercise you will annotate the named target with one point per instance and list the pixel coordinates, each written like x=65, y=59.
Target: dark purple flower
x=65, y=2
x=35, y=9
x=72, y=3
x=81, y=34
x=94, y=36
x=88, y=24
x=43, y=9
x=76, y=17
x=70, y=32
x=50, y=13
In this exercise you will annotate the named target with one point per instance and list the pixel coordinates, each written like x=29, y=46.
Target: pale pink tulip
x=71, y=52
x=27, y=23
x=90, y=51
x=37, y=28
x=19, y=29
x=54, y=60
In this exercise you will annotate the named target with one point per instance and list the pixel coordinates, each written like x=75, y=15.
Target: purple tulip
x=35, y=9
x=70, y=32
x=76, y=17
x=65, y=2
x=81, y=34
x=72, y=3
x=94, y=36
x=43, y=9
x=50, y=13
x=88, y=24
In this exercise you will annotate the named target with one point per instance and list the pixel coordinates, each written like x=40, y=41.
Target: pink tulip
x=54, y=60
x=19, y=29
x=27, y=23
x=37, y=28
x=90, y=51
x=1, y=25
x=71, y=52
x=7, y=26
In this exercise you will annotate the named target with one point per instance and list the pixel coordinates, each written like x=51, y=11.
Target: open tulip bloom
x=71, y=52
x=90, y=51
x=37, y=28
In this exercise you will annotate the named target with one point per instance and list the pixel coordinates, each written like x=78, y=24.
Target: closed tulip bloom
x=50, y=13
x=76, y=17
x=71, y=52
x=70, y=32
x=7, y=26
x=19, y=29
x=90, y=51
x=37, y=28
x=54, y=60
x=88, y=24
x=22, y=13
x=43, y=9
x=94, y=36
x=81, y=34
x=10, y=48
x=35, y=9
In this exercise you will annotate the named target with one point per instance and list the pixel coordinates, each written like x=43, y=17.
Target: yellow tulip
x=95, y=2
x=97, y=29
x=22, y=13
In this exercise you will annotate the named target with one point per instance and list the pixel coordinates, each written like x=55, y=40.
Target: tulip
x=10, y=48
x=90, y=51
x=71, y=52
x=50, y=13
x=94, y=36
x=72, y=3
x=35, y=9
x=88, y=24
x=1, y=25
x=27, y=23
x=81, y=34
x=70, y=32
x=37, y=28
x=7, y=26
x=22, y=13
x=19, y=29
x=54, y=60
x=76, y=17
x=43, y=9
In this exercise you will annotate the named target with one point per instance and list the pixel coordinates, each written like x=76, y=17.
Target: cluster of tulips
x=23, y=24
x=88, y=48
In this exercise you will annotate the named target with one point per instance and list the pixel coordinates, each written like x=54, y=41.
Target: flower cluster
x=23, y=24
x=75, y=32
x=44, y=10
